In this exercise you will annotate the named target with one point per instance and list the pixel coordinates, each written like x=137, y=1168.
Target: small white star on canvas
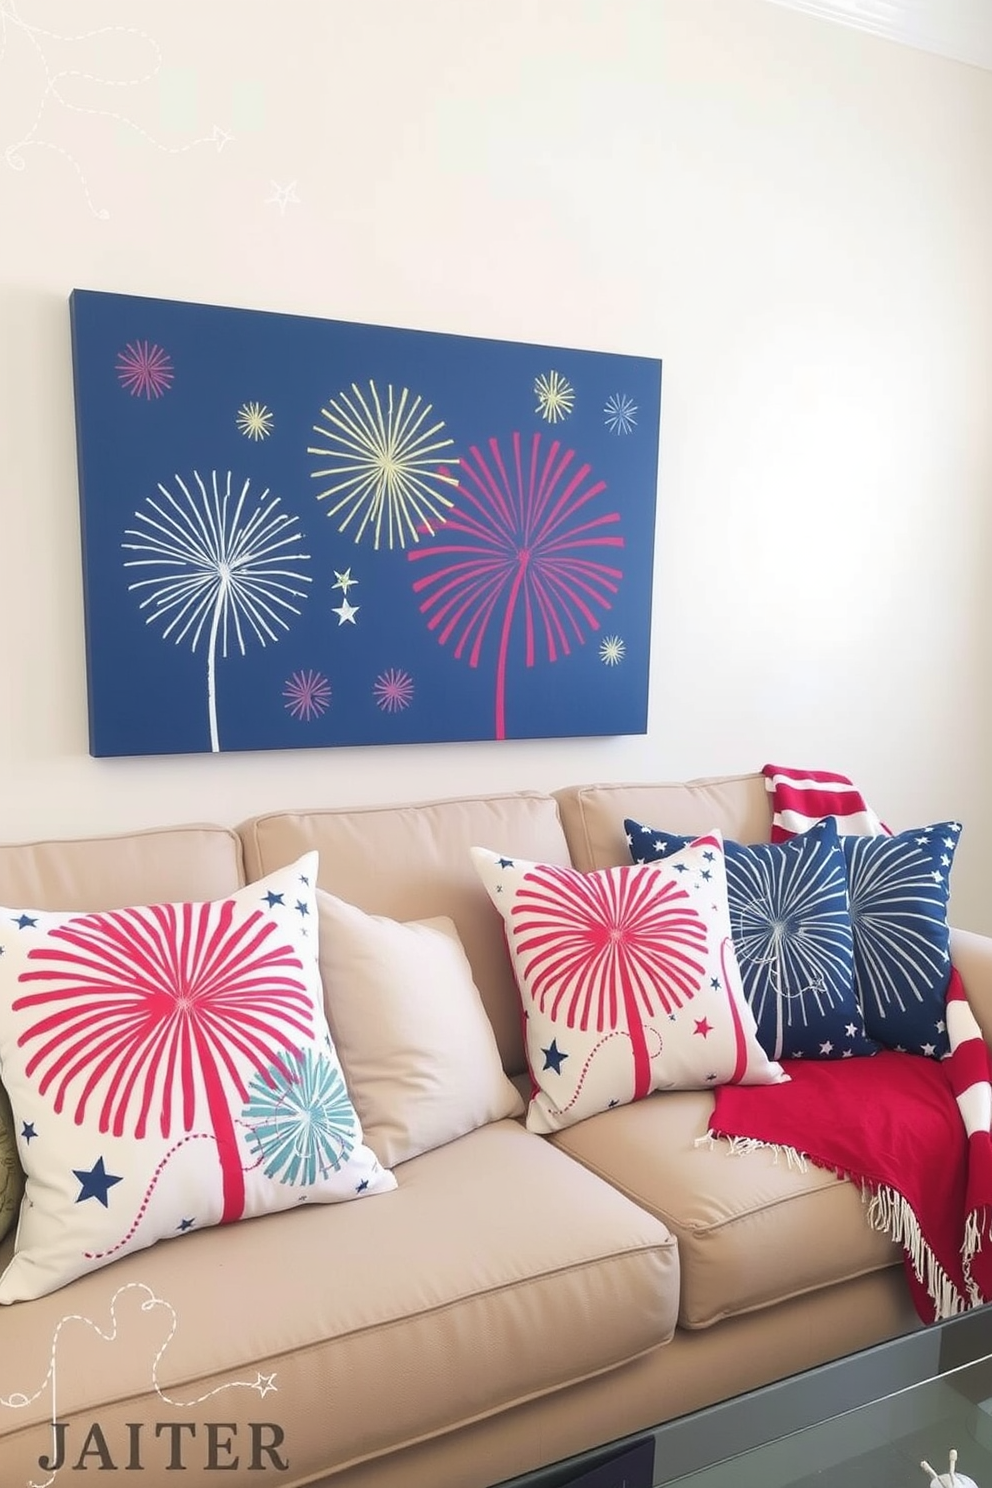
x=346, y=612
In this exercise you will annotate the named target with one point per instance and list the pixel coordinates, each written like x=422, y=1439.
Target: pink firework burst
x=144, y=369
x=308, y=695
x=610, y=949
x=393, y=690
x=156, y=1012
x=519, y=555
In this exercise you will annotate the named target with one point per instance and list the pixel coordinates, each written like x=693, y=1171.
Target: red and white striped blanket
x=914, y=1133
x=800, y=798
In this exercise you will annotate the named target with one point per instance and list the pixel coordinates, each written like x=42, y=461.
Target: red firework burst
x=520, y=538
x=393, y=690
x=145, y=1006
x=307, y=694
x=144, y=369
x=605, y=948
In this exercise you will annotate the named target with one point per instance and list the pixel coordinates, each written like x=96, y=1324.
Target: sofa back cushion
x=593, y=815
x=412, y=862
x=161, y=866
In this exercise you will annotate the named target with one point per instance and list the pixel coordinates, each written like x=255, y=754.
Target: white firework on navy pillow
x=899, y=887
x=791, y=923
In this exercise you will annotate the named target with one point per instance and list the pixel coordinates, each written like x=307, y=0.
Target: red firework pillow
x=628, y=979
x=169, y=1068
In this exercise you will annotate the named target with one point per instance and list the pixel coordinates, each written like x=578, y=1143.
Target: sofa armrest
x=972, y=955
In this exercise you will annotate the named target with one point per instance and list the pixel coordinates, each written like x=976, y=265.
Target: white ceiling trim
x=961, y=29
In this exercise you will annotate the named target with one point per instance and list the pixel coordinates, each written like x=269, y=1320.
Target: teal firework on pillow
x=899, y=887
x=791, y=924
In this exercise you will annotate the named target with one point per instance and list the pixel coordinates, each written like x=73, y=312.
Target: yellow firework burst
x=387, y=465
x=255, y=420
x=612, y=650
x=555, y=396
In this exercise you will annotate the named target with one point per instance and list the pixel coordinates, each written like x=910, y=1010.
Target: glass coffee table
x=881, y=1444
x=864, y=1421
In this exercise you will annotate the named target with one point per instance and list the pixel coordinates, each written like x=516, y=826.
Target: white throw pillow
x=628, y=979
x=169, y=1068
x=409, y=1025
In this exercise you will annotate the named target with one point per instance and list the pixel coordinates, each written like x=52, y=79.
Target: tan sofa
x=517, y=1299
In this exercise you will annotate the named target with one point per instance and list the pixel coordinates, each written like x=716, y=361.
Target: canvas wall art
x=300, y=532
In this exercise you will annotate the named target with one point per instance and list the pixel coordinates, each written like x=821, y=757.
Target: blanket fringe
x=977, y=1229
x=738, y=1146
x=889, y=1212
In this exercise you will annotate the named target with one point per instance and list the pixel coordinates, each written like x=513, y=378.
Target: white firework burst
x=898, y=890
x=619, y=411
x=791, y=936
x=225, y=568
x=612, y=650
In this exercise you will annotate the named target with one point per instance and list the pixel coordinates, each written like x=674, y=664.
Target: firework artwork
x=303, y=533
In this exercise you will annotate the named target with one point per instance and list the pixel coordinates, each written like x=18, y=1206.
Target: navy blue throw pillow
x=899, y=888
x=791, y=924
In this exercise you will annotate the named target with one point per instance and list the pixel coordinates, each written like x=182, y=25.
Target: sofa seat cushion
x=752, y=1230
x=498, y=1271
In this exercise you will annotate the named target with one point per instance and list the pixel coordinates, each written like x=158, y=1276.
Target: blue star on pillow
x=791, y=924
x=899, y=887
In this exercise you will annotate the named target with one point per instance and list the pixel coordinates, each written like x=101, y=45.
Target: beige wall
x=796, y=216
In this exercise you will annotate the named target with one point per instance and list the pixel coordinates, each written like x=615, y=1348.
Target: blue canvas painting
x=301, y=532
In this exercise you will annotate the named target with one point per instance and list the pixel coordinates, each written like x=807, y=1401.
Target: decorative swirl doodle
x=53, y=79
x=616, y=1033
x=262, y=1383
x=100, y=1255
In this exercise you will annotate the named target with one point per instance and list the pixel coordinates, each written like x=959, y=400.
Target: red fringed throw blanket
x=914, y=1134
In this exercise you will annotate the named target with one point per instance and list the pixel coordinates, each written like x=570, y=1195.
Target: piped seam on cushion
x=675, y=1225
x=187, y=1382
x=693, y=1325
